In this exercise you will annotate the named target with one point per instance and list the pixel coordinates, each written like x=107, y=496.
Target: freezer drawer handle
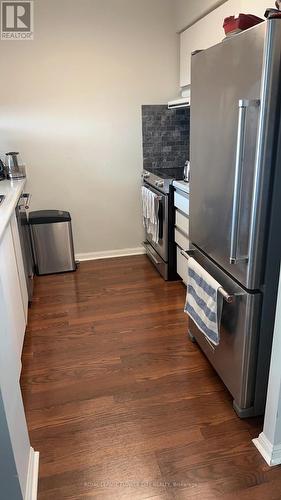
x=227, y=297
x=244, y=104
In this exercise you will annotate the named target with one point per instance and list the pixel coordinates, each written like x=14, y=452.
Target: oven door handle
x=154, y=259
x=161, y=220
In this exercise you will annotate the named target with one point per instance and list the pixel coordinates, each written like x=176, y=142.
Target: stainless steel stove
x=163, y=253
x=162, y=179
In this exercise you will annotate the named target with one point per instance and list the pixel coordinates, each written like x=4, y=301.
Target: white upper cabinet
x=203, y=34
x=209, y=31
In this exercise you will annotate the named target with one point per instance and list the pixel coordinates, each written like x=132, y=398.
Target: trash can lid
x=48, y=216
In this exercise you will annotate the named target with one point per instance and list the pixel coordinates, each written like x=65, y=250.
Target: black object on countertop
x=2, y=171
x=272, y=13
x=48, y=217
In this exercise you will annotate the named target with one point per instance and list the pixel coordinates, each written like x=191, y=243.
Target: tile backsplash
x=165, y=136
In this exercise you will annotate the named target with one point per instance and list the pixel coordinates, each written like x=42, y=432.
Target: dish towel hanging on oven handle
x=150, y=210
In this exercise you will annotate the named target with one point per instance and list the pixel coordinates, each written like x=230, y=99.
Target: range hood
x=182, y=102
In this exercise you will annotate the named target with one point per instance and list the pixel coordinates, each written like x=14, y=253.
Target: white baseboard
x=32, y=475
x=271, y=454
x=110, y=254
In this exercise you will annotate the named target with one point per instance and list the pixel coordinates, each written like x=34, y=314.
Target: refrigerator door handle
x=244, y=104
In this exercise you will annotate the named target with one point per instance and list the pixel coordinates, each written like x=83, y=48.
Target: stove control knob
x=159, y=184
x=145, y=175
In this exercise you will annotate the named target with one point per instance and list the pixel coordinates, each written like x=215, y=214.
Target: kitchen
x=112, y=388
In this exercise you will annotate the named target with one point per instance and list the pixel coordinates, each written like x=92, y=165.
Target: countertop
x=182, y=185
x=12, y=191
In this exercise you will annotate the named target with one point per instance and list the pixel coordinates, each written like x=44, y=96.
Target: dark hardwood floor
x=121, y=404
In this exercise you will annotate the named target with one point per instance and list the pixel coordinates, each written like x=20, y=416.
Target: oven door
x=162, y=246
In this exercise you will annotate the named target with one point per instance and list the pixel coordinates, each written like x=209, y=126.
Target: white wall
x=71, y=100
x=10, y=487
x=272, y=423
x=269, y=441
x=189, y=11
x=257, y=7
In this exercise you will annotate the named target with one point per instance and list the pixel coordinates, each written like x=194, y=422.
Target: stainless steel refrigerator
x=235, y=200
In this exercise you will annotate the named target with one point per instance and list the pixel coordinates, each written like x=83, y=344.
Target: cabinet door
x=11, y=305
x=9, y=374
x=10, y=487
x=182, y=265
x=203, y=34
x=20, y=264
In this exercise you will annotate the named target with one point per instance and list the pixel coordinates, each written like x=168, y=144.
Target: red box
x=242, y=22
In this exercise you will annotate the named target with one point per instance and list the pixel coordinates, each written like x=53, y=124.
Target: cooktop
x=168, y=173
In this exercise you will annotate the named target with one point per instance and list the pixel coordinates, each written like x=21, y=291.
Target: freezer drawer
x=235, y=357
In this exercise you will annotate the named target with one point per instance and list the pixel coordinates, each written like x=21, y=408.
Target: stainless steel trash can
x=52, y=241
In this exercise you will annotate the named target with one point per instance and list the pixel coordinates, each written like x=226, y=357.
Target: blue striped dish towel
x=203, y=301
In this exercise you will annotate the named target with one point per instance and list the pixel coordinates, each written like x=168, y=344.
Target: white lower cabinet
x=12, y=330
x=14, y=432
x=182, y=222
x=181, y=203
x=181, y=239
x=11, y=302
x=19, y=464
x=20, y=264
x=181, y=265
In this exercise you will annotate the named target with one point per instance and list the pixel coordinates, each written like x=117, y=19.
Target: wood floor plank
x=119, y=402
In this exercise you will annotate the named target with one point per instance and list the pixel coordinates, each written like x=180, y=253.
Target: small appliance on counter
x=14, y=166
x=2, y=171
